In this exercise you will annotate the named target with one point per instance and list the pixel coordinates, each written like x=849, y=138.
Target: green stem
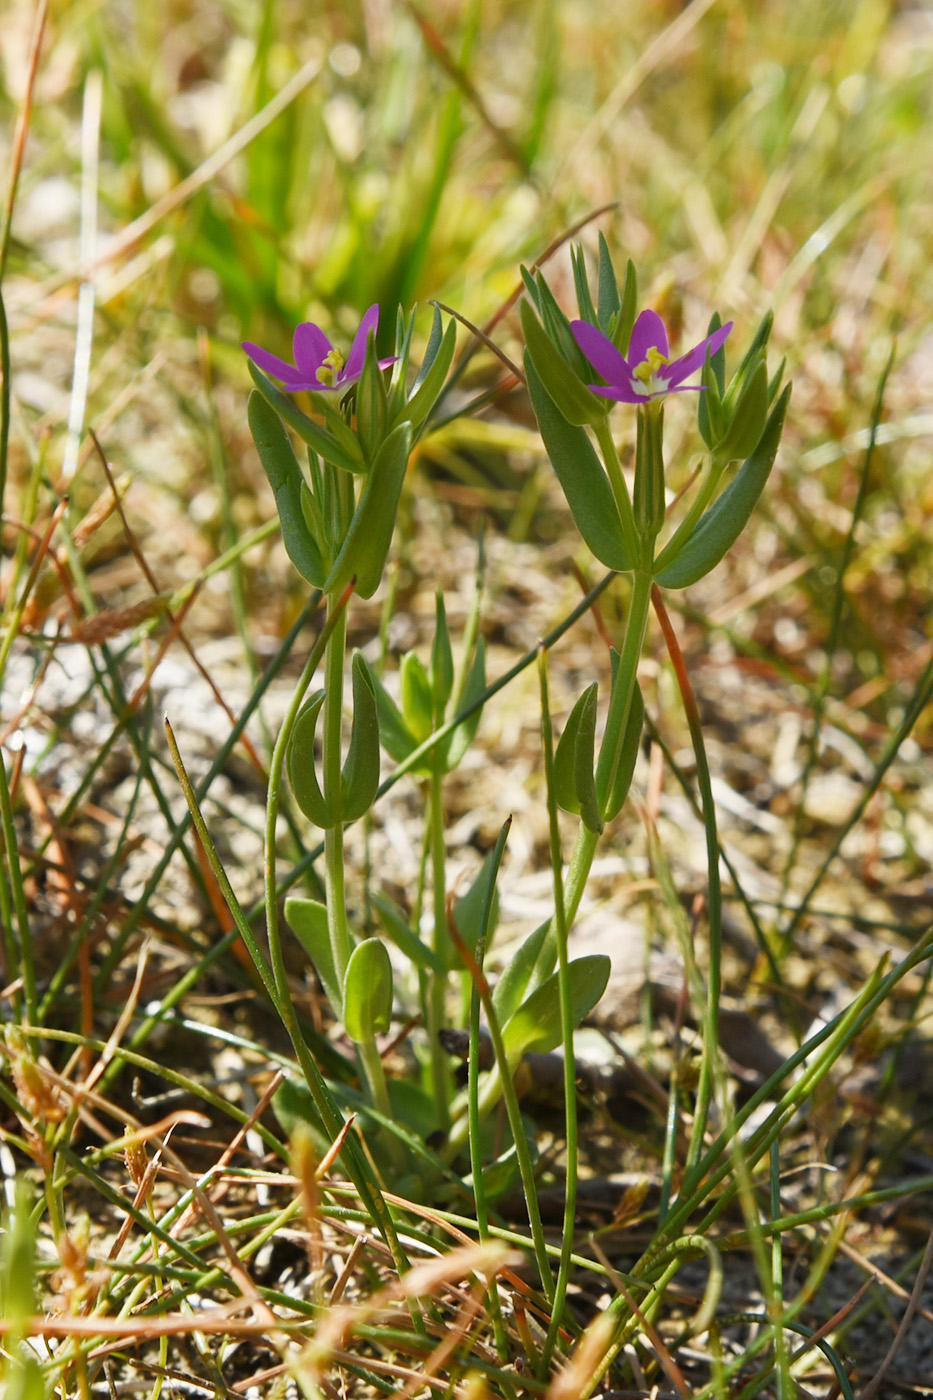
x=619, y=489
x=437, y=981
x=710, y=1060
x=335, y=658
x=620, y=704
x=566, y=1028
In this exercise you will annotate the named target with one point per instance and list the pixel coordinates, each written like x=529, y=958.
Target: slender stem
x=714, y=893
x=620, y=704
x=619, y=489
x=566, y=1029
x=333, y=838
x=437, y=981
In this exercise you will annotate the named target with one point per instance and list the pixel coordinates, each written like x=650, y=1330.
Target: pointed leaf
x=574, y=779
x=607, y=287
x=367, y=993
x=720, y=527
x=366, y=546
x=307, y=920
x=442, y=660
x=464, y=734
x=430, y=380
x=394, y=735
x=582, y=286
x=628, y=758
x=537, y=952
x=332, y=449
x=581, y=476
x=536, y=1025
x=415, y=950
x=417, y=706
x=288, y=485
x=302, y=771
x=360, y=776
x=561, y=382
x=470, y=907
x=621, y=332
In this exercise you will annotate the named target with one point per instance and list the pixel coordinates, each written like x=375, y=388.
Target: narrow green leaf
x=325, y=443
x=367, y=993
x=630, y=745
x=536, y=1025
x=470, y=908
x=284, y=472
x=442, y=660
x=372, y=407
x=516, y=977
x=607, y=288
x=460, y=740
x=307, y=920
x=417, y=952
x=417, y=701
x=582, y=286
x=302, y=771
x=429, y=383
x=581, y=476
x=561, y=382
x=360, y=776
x=719, y=528
x=366, y=546
x=394, y=735
x=621, y=332
x=574, y=778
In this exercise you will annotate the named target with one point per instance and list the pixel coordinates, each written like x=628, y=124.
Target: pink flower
x=318, y=365
x=648, y=372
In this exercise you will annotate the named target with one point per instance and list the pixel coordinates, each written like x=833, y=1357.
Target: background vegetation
x=183, y=177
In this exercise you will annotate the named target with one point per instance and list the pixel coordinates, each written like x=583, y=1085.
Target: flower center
x=645, y=377
x=330, y=368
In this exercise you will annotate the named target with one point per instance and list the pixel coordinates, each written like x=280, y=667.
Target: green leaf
x=394, y=735
x=462, y=737
x=628, y=757
x=372, y=407
x=334, y=450
x=748, y=419
x=302, y=772
x=417, y=952
x=367, y=995
x=581, y=476
x=442, y=660
x=469, y=908
x=536, y=951
x=621, y=332
x=307, y=920
x=536, y=1025
x=360, y=775
x=561, y=382
x=430, y=382
x=417, y=701
x=607, y=288
x=719, y=528
x=288, y=486
x=582, y=286
x=574, y=779
x=366, y=546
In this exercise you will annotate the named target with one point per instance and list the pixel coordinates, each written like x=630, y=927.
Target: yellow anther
x=329, y=371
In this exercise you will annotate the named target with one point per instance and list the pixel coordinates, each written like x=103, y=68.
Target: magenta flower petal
x=601, y=353
x=279, y=369
x=620, y=393
x=310, y=348
x=357, y=355
x=648, y=333
x=696, y=358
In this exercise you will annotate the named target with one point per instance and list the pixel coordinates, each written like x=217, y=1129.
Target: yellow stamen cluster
x=650, y=365
x=329, y=371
